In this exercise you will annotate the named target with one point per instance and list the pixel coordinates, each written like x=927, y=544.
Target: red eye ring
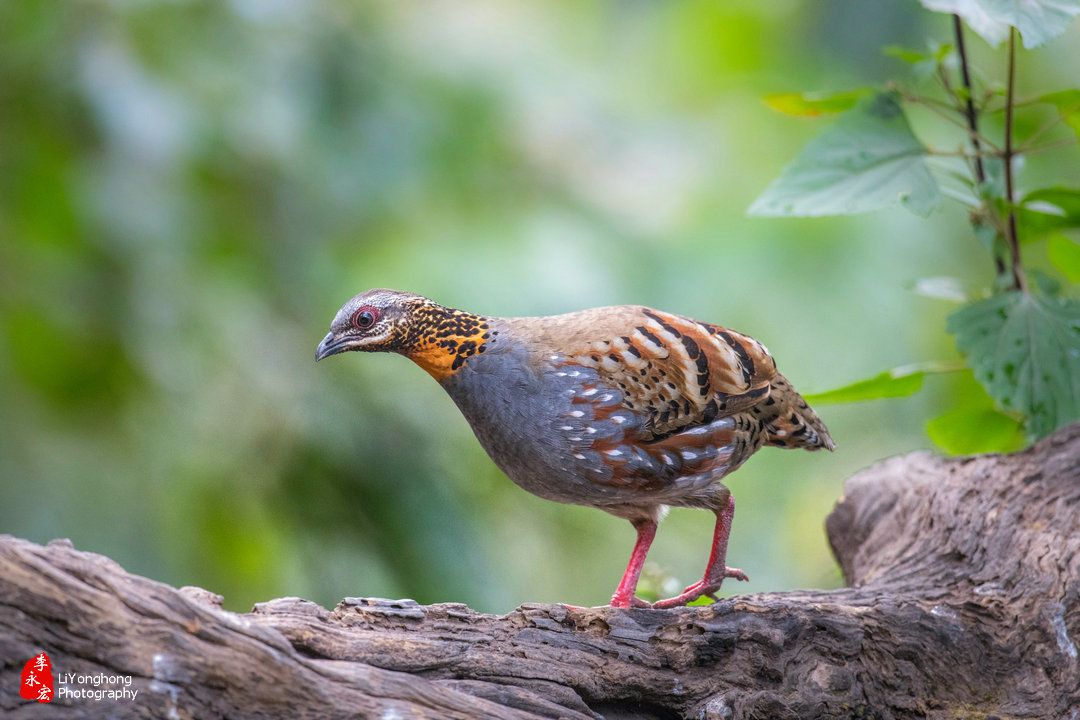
x=364, y=317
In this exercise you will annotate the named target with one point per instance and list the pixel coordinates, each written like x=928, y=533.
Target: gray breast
x=528, y=413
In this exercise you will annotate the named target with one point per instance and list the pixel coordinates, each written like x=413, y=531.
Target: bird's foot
x=616, y=602
x=702, y=588
x=628, y=601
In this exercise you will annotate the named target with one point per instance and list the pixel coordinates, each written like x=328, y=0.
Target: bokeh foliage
x=1022, y=342
x=189, y=190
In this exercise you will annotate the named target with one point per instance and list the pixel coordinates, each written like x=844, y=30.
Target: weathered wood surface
x=964, y=602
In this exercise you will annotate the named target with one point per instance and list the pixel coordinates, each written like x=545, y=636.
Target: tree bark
x=963, y=602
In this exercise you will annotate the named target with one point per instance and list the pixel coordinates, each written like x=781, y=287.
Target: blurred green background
x=189, y=190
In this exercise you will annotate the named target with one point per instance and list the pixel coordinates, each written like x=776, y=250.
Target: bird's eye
x=365, y=317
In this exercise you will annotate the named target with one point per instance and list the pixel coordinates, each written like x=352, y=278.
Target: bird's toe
x=737, y=574
x=628, y=601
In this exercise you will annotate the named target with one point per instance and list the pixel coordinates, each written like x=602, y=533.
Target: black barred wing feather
x=676, y=373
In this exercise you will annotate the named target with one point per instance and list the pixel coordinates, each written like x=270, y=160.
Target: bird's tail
x=789, y=421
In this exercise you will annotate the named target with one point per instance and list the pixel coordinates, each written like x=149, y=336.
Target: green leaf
x=814, y=104
x=1067, y=103
x=1025, y=350
x=1049, y=210
x=908, y=55
x=974, y=425
x=966, y=431
x=1037, y=20
x=923, y=62
x=986, y=234
x=898, y=382
x=868, y=159
x=941, y=51
x=1064, y=253
x=993, y=188
x=937, y=53
x=1048, y=284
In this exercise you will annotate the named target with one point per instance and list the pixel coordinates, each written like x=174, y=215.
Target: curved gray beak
x=328, y=347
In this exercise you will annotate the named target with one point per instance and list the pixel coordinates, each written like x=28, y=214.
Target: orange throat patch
x=442, y=339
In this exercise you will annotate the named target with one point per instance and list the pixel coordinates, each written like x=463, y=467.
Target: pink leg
x=716, y=570
x=624, y=594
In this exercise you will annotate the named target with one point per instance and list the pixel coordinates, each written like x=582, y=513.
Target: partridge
x=626, y=409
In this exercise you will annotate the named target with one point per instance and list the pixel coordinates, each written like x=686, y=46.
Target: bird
x=627, y=409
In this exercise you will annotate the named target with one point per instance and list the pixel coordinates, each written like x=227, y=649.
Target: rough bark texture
x=964, y=602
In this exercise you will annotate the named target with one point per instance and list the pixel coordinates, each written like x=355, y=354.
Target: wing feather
x=678, y=373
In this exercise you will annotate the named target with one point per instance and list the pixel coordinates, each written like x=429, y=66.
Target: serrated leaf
x=898, y=382
x=868, y=159
x=815, y=104
x=1025, y=350
x=1067, y=103
x=1048, y=210
x=1064, y=253
x=1037, y=20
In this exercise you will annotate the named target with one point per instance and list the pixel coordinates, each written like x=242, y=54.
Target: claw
x=702, y=588
x=737, y=574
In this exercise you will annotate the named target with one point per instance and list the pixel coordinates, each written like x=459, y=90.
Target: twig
x=936, y=107
x=964, y=153
x=943, y=77
x=1027, y=145
x=939, y=103
x=969, y=103
x=1063, y=143
x=1019, y=281
x=973, y=123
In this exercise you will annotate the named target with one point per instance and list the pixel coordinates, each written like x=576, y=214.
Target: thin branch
x=938, y=103
x=973, y=124
x=969, y=104
x=1019, y=281
x=943, y=78
x=963, y=153
x=936, y=107
x=1027, y=145
x=1063, y=143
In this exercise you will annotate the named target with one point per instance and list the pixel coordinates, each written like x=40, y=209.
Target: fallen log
x=963, y=601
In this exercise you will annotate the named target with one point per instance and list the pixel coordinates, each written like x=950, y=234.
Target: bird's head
x=438, y=339
x=374, y=321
